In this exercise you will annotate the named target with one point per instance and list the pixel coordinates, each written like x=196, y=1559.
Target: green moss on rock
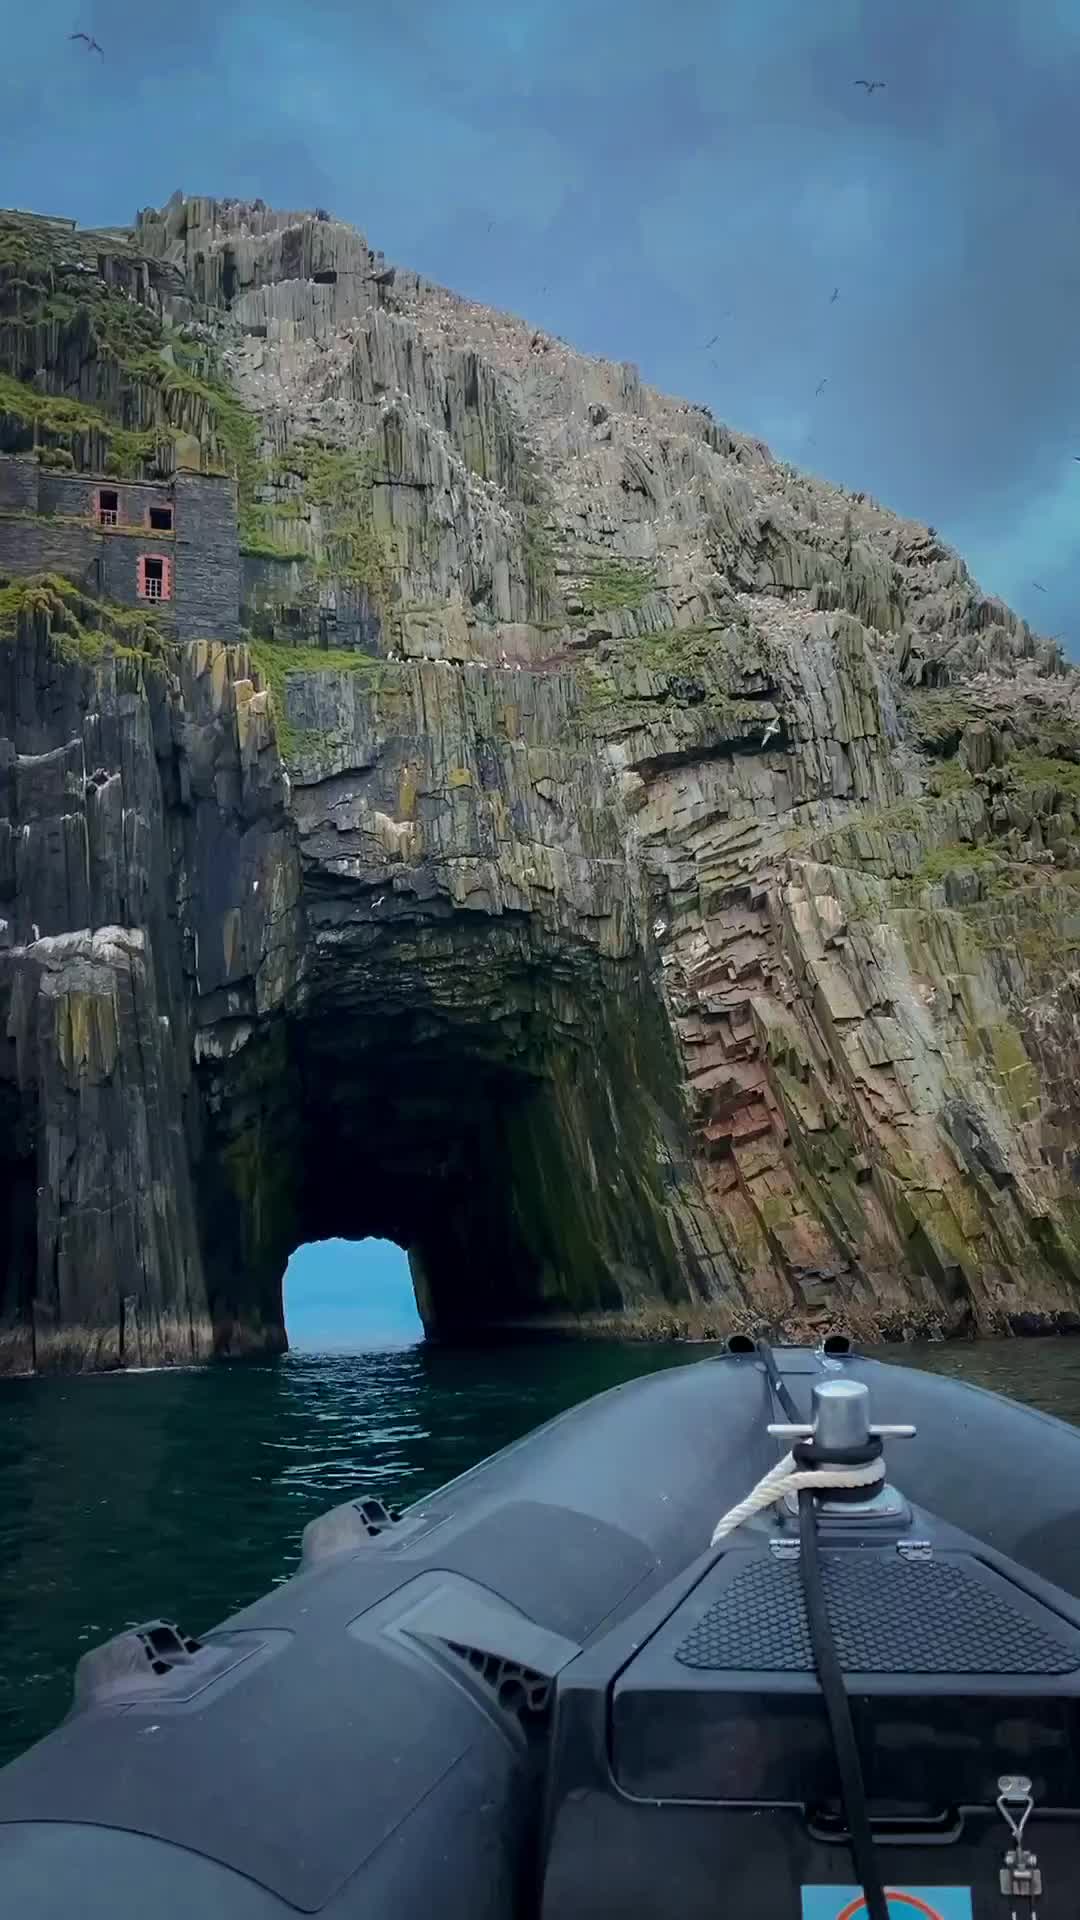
x=993, y=869
x=1040, y=770
x=936, y=719
x=81, y=627
x=611, y=584
x=60, y=312
x=339, y=482
x=539, y=557
x=53, y=414
x=950, y=777
x=275, y=664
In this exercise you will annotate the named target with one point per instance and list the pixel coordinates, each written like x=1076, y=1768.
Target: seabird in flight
x=91, y=45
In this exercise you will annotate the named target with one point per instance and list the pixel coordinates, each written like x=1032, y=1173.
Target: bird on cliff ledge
x=91, y=45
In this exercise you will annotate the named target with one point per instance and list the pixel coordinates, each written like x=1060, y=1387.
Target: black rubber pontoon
x=542, y=1692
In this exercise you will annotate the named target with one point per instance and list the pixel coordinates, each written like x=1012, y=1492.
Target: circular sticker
x=894, y=1897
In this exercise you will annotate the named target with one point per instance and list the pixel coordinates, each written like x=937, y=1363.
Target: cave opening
x=509, y=1130
x=347, y=1296
x=339, y=1134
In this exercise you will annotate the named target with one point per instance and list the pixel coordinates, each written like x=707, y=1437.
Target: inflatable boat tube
x=543, y=1692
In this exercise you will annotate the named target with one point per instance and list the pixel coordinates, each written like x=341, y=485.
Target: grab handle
x=940, y=1829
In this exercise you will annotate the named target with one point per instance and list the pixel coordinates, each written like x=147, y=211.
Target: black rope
x=838, y=1707
x=830, y=1674
x=780, y=1392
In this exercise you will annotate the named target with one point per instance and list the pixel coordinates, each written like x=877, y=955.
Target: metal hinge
x=915, y=1550
x=784, y=1549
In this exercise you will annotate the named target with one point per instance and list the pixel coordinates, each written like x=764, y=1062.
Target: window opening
x=154, y=582
x=108, y=506
x=161, y=519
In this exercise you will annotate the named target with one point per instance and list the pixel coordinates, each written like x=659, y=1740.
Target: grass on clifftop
x=56, y=419
x=55, y=312
x=997, y=874
x=613, y=585
x=1036, y=770
x=31, y=243
x=274, y=664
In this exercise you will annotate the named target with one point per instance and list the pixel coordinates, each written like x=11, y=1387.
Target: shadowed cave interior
x=511, y=1144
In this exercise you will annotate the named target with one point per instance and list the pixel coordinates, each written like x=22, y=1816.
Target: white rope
x=786, y=1477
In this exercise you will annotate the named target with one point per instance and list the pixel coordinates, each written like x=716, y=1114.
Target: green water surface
x=184, y=1495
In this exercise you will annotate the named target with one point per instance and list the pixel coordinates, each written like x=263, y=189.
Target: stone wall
x=30, y=546
x=207, y=557
x=75, y=496
x=49, y=523
x=20, y=481
x=105, y=562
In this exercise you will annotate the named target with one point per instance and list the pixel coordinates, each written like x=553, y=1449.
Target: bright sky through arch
x=348, y=1296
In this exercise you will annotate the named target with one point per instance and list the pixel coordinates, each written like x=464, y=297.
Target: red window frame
x=141, y=584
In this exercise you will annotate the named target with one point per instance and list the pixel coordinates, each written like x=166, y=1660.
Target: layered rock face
x=638, y=878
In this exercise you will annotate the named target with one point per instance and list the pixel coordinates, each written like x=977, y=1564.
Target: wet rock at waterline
x=637, y=877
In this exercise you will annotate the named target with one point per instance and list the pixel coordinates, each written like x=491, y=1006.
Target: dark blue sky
x=641, y=175
x=347, y=1295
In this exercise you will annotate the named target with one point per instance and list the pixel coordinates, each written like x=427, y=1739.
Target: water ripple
x=184, y=1494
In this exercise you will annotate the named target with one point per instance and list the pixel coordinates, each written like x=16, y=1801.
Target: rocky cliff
x=636, y=877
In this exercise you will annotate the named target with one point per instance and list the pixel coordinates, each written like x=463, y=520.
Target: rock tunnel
x=461, y=1047
x=457, y=1097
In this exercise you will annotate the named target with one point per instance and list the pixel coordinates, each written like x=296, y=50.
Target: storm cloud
x=681, y=183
